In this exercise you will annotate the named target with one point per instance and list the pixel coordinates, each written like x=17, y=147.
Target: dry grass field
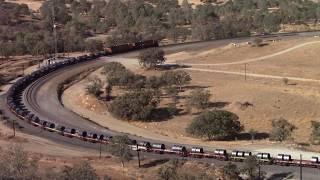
x=297, y=101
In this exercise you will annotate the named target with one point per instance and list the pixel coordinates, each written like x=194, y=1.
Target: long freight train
x=14, y=101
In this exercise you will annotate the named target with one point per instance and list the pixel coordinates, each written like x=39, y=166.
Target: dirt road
x=256, y=59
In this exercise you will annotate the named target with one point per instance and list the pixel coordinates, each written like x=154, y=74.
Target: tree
x=6, y=49
x=187, y=11
x=173, y=93
x=136, y=105
x=215, y=124
x=170, y=170
x=82, y=170
x=230, y=172
x=151, y=57
x=315, y=134
x=94, y=87
x=281, y=129
x=61, y=14
x=118, y=75
x=178, y=78
x=199, y=99
x=119, y=147
x=167, y=173
x=113, y=67
x=251, y=168
x=15, y=163
x=94, y=46
x=154, y=82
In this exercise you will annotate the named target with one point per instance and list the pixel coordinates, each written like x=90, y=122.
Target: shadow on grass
x=164, y=114
x=246, y=136
x=164, y=67
x=155, y=163
x=218, y=105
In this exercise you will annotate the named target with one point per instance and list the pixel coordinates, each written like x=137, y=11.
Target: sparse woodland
x=26, y=32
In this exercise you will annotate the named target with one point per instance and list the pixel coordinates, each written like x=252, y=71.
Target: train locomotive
x=15, y=103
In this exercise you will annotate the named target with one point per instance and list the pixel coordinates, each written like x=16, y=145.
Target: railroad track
x=35, y=84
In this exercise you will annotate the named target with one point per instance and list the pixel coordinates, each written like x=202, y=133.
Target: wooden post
x=245, y=71
x=100, y=150
x=138, y=158
x=14, y=128
x=300, y=166
x=259, y=172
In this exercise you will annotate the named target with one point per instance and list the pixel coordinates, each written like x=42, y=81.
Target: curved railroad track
x=41, y=98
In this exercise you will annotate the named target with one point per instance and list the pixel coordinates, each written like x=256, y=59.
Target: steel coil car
x=144, y=146
x=181, y=150
x=158, y=148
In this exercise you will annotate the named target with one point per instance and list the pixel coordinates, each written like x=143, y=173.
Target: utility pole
x=14, y=128
x=100, y=150
x=300, y=166
x=138, y=157
x=259, y=168
x=245, y=71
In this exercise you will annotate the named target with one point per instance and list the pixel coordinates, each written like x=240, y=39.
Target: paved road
x=41, y=98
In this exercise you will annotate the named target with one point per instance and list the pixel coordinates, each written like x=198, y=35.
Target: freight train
x=14, y=101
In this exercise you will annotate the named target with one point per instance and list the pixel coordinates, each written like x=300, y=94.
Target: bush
x=199, y=99
x=315, y=134
x=215, y=124
x=136, y=105
x=178, y=78
x=281, y=129
x=113, y=67
x=118, y=75
x=151, y=57
x=94, y=87
x=81, y=170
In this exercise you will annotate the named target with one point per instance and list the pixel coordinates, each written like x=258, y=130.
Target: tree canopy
x=215, y=124
x=281, y=129
x=151, y=57
x=199, y=98
x=135, y=105
x=119, y=147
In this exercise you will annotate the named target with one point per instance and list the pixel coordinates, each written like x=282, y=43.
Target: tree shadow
x=195, y=87
x=245, y=136
x=218, y=105
x=155, y=163
x=164, y=67
x=163, y=114
x=280, y=176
